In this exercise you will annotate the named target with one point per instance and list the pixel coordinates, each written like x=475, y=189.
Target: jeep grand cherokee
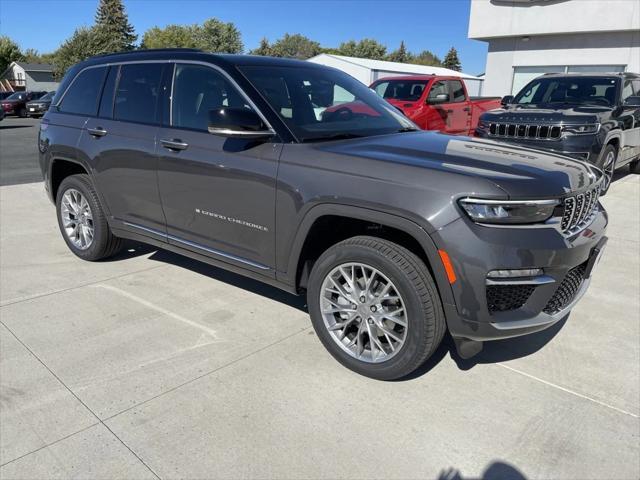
x=394, y=234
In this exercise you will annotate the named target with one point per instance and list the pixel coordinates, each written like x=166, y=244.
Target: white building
x=528, y=38
x=368, y=71
x=19, y=76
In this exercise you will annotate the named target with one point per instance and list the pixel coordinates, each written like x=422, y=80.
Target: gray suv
x=301, y=177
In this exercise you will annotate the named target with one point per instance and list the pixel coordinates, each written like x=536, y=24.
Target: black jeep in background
x=592, y=117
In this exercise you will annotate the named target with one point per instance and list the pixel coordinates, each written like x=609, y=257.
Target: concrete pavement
x=154, y=366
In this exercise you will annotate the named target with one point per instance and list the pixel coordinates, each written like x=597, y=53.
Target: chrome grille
x=525, y=130
x=579, y=210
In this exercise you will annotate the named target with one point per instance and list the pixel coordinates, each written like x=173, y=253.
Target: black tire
x=22, y=113
x=104, y=243
x=426, y=323
x=601, y=164
x=634, y=167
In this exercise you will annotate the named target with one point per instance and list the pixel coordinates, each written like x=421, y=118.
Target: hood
x=37, y=101
x=560, y=113
x=519, y=171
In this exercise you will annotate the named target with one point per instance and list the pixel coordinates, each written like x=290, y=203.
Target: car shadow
x=620, y=174
x=9, y=127
x=230, y=278
x=493, y=352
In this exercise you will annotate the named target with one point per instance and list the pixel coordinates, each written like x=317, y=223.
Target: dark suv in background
x=37, y=108
x=591, y=117
x=394, y=234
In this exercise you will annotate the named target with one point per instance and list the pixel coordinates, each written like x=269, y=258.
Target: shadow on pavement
x=248, y=284
x=9, y=127
x=497, y=470
x=498, y=351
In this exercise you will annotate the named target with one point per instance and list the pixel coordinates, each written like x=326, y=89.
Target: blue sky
x=435, y=25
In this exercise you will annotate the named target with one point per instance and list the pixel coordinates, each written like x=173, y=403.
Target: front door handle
x=97, y=132
x=466, y=109
x=449, y=111
x=175, y=144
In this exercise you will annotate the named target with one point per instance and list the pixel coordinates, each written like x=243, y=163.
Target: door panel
x=218, y=194
x=458, y=111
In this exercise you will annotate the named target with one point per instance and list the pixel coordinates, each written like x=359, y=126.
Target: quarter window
x=196, y=91
x=82, y=96
x=137, y=94
x=627, y=90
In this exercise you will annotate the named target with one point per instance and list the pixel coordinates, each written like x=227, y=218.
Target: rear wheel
x=607, y=163
x=375, y=307
x=82, y=221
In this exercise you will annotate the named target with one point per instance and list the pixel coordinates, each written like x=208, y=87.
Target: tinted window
x=106, y=102
x=403, y=90
x=457, y=91
x=197, y=90
x=320, y=104
x=438, y=88
x=82, y=96
x=137, y=94
x=570, y=90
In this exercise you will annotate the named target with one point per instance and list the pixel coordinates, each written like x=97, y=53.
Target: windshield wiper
x=335, y=136
x=407, y=129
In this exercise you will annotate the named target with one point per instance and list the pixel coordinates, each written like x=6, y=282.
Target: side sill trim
x=198, y=246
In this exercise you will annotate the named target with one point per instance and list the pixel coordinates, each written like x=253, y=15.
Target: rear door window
x=136, y=98
x=82, y=96
x=197, y=89
x=457, y=91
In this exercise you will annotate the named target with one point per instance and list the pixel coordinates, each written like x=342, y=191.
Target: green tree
x=452, y=61
x=212, y=36
x=400, y=55
x=9, y=52
x=216, y=36
x=295, y=46
x=263, y=49
x=113, y=29
x=365, y=48
x=426, y=57
x=83, y=44
x=171, y=36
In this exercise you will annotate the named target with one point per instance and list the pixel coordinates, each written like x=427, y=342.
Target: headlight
x=483, y=125
x=507, y=211
x=582, y=129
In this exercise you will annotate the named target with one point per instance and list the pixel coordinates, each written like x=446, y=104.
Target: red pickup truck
x=435, y=102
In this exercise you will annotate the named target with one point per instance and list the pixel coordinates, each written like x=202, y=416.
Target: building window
x=523, y=75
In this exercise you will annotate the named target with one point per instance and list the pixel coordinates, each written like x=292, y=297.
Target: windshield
x=48, y=96
x=322, y=104
x=600, y=91
x=404, y=90
x=16, y=96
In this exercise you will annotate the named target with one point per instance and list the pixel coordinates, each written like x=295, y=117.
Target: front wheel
x=22, y=113
x=607, y=163
x=375, y=307
x=82, y=220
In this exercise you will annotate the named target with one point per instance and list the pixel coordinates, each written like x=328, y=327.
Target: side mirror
x=633, y=101
x=439, y=98
x=506, y=100
x=237, y=122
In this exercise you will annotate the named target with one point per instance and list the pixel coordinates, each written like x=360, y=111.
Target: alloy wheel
x=77, y=219
x=364, y=312
x=608, y=167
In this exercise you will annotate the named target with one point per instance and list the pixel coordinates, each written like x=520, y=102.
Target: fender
x=374, y=216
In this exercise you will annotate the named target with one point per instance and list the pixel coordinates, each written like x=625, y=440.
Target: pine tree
x=263, y=49
x=451, y=60
x=112, y=27
x=400, y=55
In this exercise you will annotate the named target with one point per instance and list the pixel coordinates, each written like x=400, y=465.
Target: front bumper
x=476, y=250
x=581, y=147
x=38, y=110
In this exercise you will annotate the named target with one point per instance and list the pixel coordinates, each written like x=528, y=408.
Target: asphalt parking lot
x=154, y=366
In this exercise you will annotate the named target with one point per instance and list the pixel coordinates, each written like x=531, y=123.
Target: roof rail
x=149, y=50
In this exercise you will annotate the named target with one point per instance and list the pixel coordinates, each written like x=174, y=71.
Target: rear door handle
x=174, y=144
x=97, y=132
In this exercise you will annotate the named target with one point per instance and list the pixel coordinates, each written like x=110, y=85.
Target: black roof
x=194, y=54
